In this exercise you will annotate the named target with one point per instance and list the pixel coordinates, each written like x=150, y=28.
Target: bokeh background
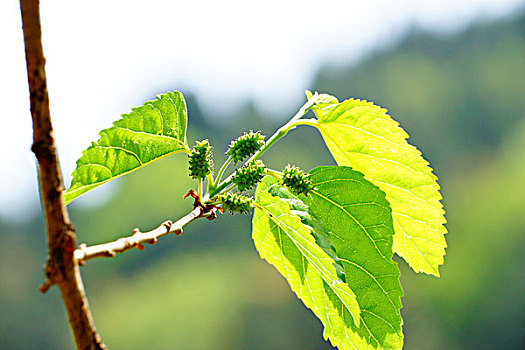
x=452, y=72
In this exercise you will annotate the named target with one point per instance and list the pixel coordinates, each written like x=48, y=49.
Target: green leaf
x=285, y=242
x=359, y=221
x=321, y=235
x=150, y=132
x=361, y=135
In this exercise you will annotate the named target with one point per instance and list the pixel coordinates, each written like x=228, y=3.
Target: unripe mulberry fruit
x=235, y=203
x=201, y=159
x=297, y=180
x=245, y=145
x=249, y=175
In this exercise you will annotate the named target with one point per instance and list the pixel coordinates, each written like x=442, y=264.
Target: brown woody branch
x=61, y=268
x=138, y=239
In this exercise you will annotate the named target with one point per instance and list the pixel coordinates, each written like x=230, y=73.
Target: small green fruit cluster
x=297, y=180
x=235, y=203
x=245, y=146
x=249, y=175
x=201, y=159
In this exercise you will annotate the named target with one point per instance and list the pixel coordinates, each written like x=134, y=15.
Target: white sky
x=104, y=57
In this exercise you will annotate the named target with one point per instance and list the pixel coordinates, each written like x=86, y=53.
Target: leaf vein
x=122, y=149
x=353, y=218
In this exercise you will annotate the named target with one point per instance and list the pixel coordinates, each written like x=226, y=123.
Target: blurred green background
x=462, y=100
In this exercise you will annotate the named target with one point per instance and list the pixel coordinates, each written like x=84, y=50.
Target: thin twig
x=60, y=269
x=137, y=239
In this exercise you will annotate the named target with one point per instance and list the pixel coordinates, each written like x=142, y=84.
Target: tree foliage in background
x=252, y=309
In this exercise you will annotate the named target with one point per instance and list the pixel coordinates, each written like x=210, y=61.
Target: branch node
x=46, y=285
x=50, y=274
x=191, y=193
x=168, y=225
x=211, y=215
x=79, y=254
x=138, y=239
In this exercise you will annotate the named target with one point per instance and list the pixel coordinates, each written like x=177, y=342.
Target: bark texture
x=61, y=267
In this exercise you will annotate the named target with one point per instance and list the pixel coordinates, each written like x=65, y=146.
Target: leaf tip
x=308, y=94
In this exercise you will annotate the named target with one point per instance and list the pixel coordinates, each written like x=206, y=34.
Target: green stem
x=277, y=174
x=285, y=128
x=223, y=168
x=310, y=122
x=201, y=180
x=186, y=149
x=221, y=187
x=229, y=188
x=210, y=181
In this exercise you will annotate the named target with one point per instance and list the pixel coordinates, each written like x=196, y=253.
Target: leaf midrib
x=122, y=149
x=424, y=200
x=274, y=218
x=344, y=152
x=171, y=138
x=314, y=300
x=408, y=147
x=127, y=172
